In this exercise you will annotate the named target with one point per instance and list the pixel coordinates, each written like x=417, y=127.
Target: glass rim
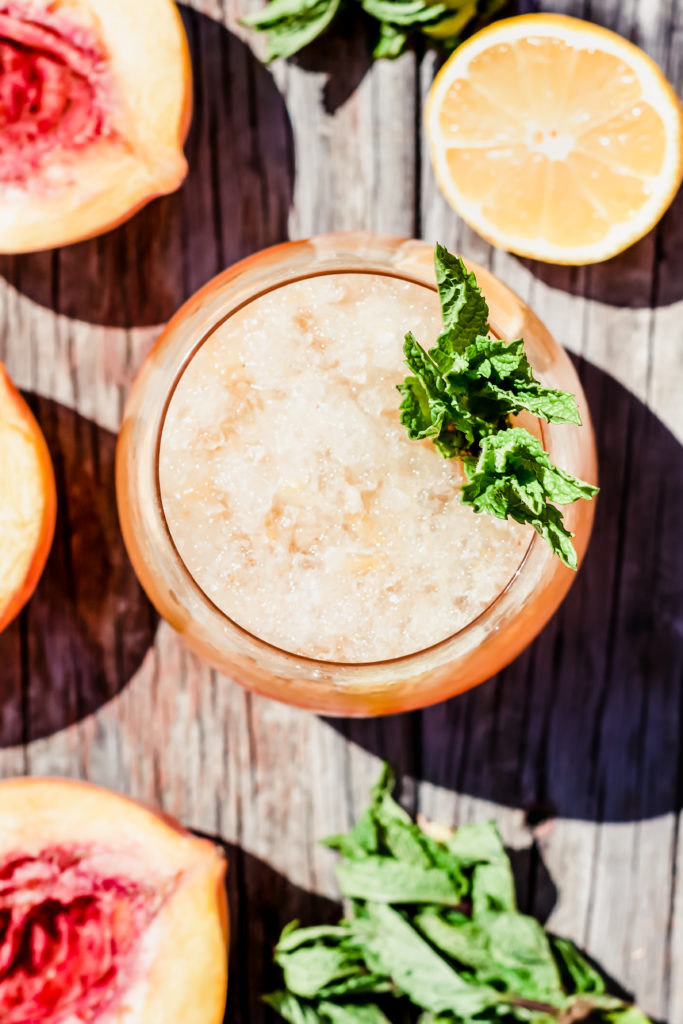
x=314, y=663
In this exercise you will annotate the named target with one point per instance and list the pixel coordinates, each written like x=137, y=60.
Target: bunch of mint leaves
x=293, y=24
x=433, y=936
x=461, y=396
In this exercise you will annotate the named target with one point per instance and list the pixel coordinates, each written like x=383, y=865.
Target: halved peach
x=113, y=912
x=27, y=501
x=95, y=103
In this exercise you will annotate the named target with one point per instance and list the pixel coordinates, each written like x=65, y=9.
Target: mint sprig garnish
x=433, y=936
x=462, y=395
x=291, y=25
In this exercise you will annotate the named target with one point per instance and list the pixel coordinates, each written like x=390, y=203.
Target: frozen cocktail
x=278, y=513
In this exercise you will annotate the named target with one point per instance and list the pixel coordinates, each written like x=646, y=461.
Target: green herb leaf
x=624, y=1015
x=404, y=955
x=464, y=309
x=492, y=885
x=391, y=41
x=496, y=379
x=386, y=880
x=461, y=396
x=299, y=1011
x=511, y=952
x=310, y=969
x=404, y=12
x=579, y=977
x=514, y=478
x=294, y=937
x=292, y=1009
x=292, y=24
x=396, y=949
x=459, y=14
x=352, y=1013
x=358, y=984
x=385, y=831
x=364, y=837
x=315, y=959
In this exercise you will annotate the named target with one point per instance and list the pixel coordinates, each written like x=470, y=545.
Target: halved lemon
x=555, y=138
x=27, y=501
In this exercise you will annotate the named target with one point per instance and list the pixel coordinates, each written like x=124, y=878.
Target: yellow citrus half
x=27, y=501
x=555, y=138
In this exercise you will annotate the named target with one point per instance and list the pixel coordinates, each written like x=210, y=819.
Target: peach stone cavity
x=69, y=932
x=293, y=494
x=54, y=89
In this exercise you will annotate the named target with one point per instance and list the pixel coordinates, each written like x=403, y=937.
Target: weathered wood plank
x=576, y=749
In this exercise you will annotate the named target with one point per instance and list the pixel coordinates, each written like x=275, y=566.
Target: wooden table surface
x=577, y=748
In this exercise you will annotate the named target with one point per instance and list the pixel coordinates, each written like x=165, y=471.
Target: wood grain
x=577, y=748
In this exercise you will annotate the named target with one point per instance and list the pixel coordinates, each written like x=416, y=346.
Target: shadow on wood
x=536, y=891
x=88, y=626
x=588, y=722
x=343, y=55
x=234, y=201
x=261, y=902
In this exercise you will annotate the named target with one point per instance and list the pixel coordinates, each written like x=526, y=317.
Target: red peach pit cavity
x=68, y=935
x=53, y=88
x=95, y=103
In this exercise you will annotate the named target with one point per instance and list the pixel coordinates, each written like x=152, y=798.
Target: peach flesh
x=68, y=935
x=53, y=88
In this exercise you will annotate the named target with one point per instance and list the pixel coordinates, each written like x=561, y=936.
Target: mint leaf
x=358, y=984
x=387, y=880
x=299, y=1011
x=352, y=1013
x=624, y=1015
x=511, y=952
x=292, y=24
x=385, y=831
x=395, y=948
x=364, y=838
x=579, y=977
x=311, y=968
x=325, y=961
x=497, y=380
x=293, y=937
x=464, y=309
x=455, y=19
x=514, y=478
x=359, y=842
x=292, y=1009
x=441, y=416
x=391, y=41
x=522, y=960
x=492, y=883
x=404, y=12
x=462, y=395
x=414, y=962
